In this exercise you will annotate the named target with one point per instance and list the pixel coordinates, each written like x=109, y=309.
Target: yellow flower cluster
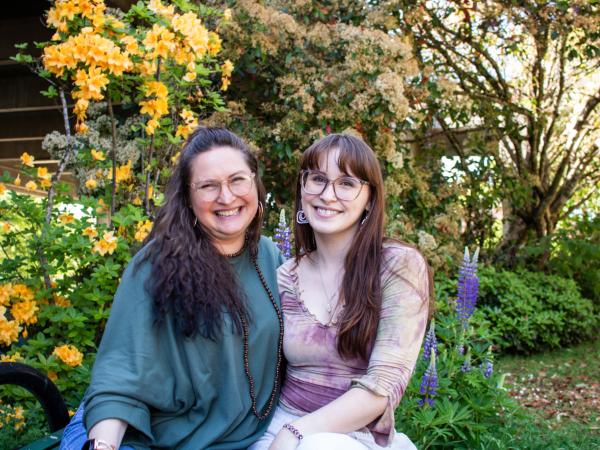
x=69, y=355
x=66, y=10
x=9, y=329
x=142, y=230
x=226, y=71
x=23, y=311
x=123, y=173
x=2, y=188
x=93, y=58
x=156, y=106
x=12, y=416
x=16, y=356
x=189, y=125
x=108, y=244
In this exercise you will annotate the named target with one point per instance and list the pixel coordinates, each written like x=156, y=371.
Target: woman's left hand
x=284, y=441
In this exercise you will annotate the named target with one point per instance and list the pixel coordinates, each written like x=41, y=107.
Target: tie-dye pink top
x=317, y=374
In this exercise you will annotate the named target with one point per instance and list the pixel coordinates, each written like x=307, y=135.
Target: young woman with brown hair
x=355, y=309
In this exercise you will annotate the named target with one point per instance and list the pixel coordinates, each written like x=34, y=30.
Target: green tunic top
x=184, y=393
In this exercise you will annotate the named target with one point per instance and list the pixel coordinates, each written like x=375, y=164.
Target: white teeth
x=231, y=212
x=327, y=212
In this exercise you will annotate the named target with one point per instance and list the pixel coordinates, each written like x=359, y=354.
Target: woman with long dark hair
x=355, y=308
x=191, y=354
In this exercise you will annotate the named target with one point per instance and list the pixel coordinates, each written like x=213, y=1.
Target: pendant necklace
x=329, y=307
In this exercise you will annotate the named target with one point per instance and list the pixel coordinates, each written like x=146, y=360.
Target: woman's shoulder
x=402, y=261
x=396, y=253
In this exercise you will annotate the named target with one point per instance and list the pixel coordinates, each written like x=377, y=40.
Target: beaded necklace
x=261, y=415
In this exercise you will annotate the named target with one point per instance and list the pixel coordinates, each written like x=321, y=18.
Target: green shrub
x=532, y=311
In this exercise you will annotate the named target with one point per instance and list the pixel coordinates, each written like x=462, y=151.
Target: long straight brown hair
x=361, y=285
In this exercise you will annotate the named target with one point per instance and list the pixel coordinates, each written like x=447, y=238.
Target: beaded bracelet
x=292, y=429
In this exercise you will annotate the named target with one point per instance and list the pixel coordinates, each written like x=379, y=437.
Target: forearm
x=350, y=412
x=109, y=430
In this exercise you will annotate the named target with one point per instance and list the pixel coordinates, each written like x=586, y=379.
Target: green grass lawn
x=561, y=390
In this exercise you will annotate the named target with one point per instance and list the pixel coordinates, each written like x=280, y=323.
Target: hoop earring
x=365, y=218
x=261, y=212
x=300, y=217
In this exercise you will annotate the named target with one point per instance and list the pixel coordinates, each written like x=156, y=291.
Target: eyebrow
x=232, y=175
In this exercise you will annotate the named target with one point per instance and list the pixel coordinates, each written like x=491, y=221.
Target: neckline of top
x=293, y=271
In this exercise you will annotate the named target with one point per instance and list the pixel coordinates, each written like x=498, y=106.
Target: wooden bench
x=46, y=393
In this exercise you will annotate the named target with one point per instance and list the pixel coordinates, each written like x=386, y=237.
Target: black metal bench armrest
x=42, y=387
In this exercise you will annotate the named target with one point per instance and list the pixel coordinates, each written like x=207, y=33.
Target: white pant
x=356, y=440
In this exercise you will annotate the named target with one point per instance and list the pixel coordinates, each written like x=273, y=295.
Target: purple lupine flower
x=430, y=341
x=468, y=287
x=460, y=349
x=429, y=383
x=466, y=366
x=282, y=236
x=488, y=368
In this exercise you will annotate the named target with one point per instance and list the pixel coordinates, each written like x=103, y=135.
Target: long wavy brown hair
x=361, y=285
x=190, y=279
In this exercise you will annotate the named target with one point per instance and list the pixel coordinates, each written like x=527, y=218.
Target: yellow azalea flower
x=102, y=207
x=150, y=191
x=81, y=128
x=98, y=155
x=90, y=232
x=227, y=14
x=6, y=227
x=9, y=330
x=5, y=294
x=190, y=76
x=18, y=412
x=66, y=218
x=11, y=358
x=24, y=312
x=225, y=82
x=27, y=159
x=17, y=181
x=214, y=43
x=151, y=126
x=22, y=292
x=42, y=172
x=52, y=376
x=71, y=412
x=2, y=188
x=142, y=230
x=137, y=201
x=45, y=183
x=91, y=184
x=227, y=68
x=24, y=333
x=69, y=355
x=186, y=115
x=108, y=244
x=61, y=301
x=31, y=185
x=175, y=157
x=157, y=88
x=124, y=172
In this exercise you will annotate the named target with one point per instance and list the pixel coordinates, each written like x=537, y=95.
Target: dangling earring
x=300, y=217
x=195, y=222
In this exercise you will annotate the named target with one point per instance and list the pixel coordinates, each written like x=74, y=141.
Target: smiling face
x=226, y=217
x=328, y=215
